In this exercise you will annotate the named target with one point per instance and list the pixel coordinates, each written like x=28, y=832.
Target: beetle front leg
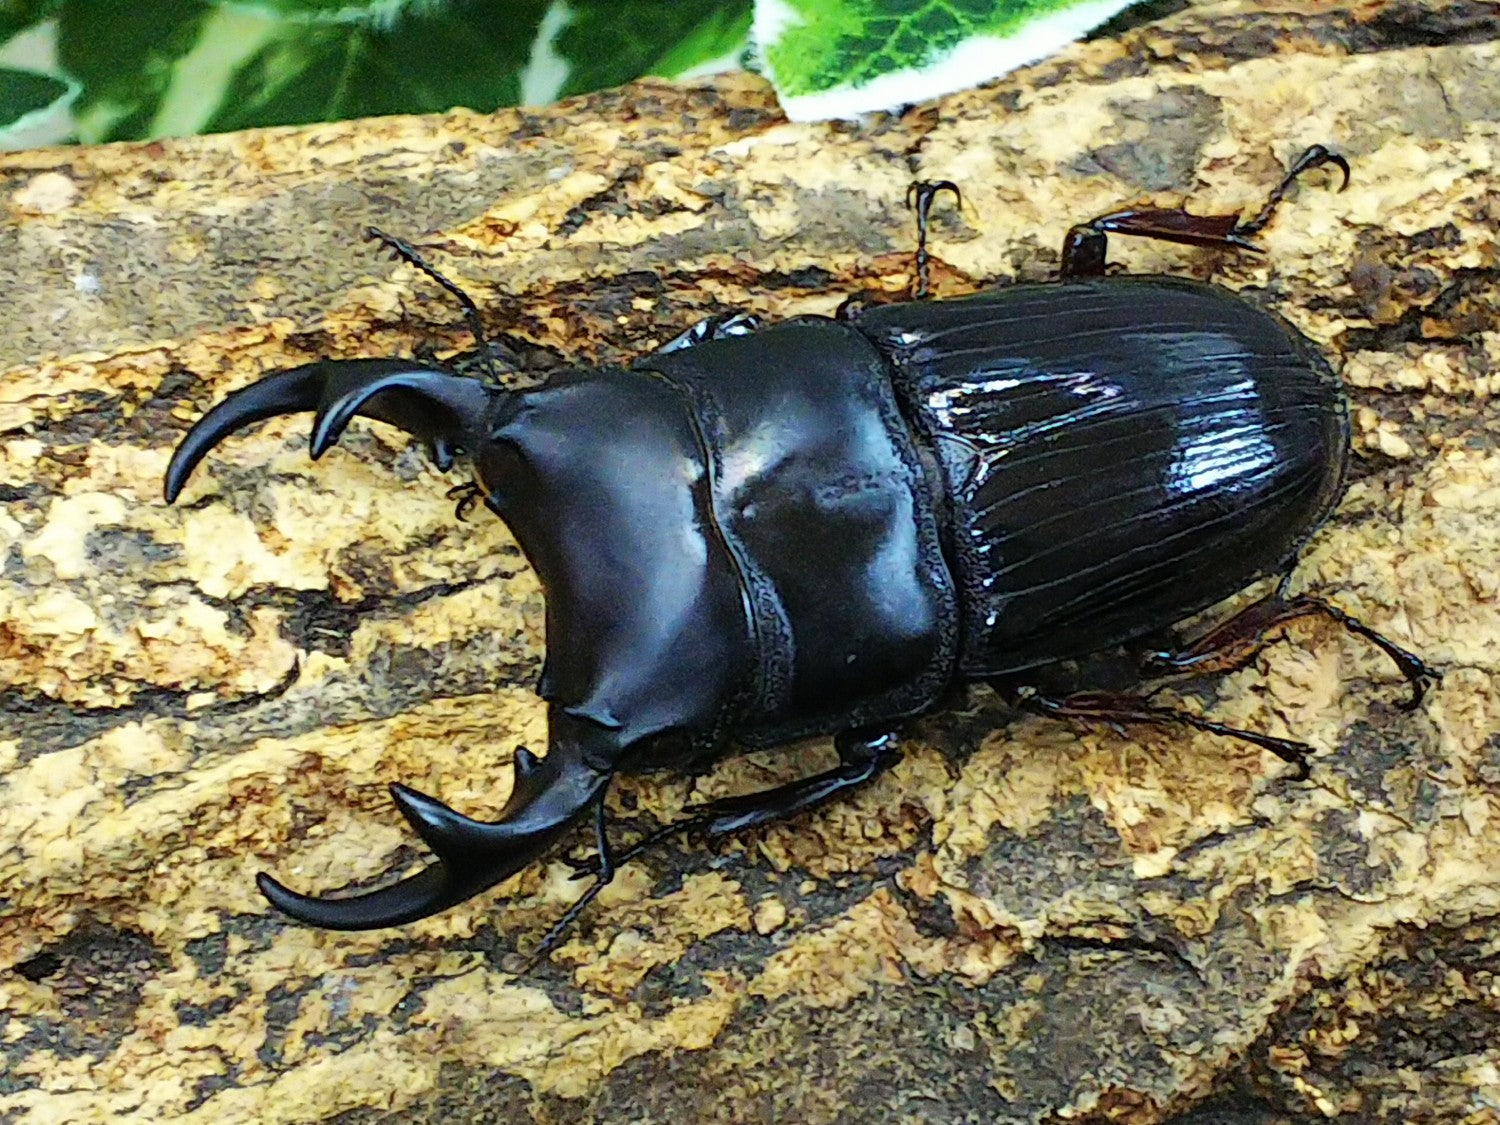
x=603, y=870
x=1085, y=246
x=920, y=196
x=863, y=756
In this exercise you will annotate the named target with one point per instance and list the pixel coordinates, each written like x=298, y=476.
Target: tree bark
x=1021, y=922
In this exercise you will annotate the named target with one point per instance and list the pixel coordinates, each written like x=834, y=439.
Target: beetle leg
x=1085, y=246
x=1314, y=157
x=603, y=870
x=1126, y=710
x=713, y=328
x=1233, y=643
x=488, y=349
x=467, y=495
x=920, y=197
x=862, y=758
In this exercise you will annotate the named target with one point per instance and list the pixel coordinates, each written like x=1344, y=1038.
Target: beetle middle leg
x=1085, y=245
x=1233, y=643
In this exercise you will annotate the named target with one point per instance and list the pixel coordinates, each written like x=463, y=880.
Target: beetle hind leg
x=1130, y=710
x=1233, y=643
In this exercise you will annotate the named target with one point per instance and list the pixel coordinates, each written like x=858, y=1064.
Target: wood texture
x=1023, y=921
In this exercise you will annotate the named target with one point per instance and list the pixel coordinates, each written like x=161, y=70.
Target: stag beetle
x=761, y=533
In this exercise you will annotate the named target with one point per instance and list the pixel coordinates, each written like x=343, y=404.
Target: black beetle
x=764, y=533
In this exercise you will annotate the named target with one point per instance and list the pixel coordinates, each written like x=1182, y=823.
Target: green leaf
x=34, y=108
x=17, y=15
x=471, y=56
x=723, y=34
x=26, y=91
x=373, y=13
x=124, y=55
x=609, y=42
x=831, y=58
x=170, y=67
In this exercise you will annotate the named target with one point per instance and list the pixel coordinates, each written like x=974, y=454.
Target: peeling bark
x=1022, y=921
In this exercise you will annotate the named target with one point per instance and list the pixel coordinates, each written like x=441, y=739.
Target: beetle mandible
x=816, y=527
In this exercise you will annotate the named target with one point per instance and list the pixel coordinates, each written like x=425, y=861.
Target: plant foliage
x=104, y=70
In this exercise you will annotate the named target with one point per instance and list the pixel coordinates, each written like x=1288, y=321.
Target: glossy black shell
x=1115, y=454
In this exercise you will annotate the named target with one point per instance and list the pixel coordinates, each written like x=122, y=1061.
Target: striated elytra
x=757, y=534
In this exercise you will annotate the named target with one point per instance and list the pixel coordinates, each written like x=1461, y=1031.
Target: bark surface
x=1023, y=921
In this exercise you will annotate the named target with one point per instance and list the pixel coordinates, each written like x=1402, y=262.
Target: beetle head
x=601, y=475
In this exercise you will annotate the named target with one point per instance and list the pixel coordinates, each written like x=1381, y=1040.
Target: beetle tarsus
x=1086, y=245
x=920, y=197
x=603, y=870
x=1314, y=157
x=466, y=496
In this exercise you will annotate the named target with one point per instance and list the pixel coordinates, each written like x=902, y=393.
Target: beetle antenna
x=603, y=869
x=488, y=349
